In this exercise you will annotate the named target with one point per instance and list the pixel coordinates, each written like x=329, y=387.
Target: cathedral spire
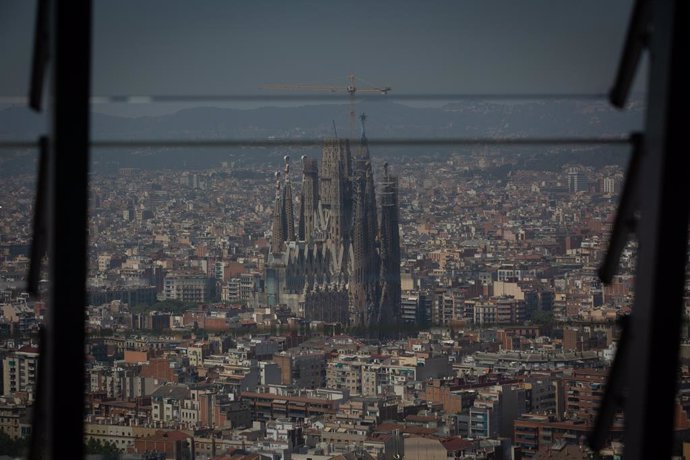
x=277, y=239
x=309, y=199
x=346, y=266
x=287, y=211
x=362, y=119
x=389, y=306
x=364, y=280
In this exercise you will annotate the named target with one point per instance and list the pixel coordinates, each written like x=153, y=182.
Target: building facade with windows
x=19, y=371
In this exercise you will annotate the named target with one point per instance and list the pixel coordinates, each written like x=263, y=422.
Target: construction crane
x=350, y=88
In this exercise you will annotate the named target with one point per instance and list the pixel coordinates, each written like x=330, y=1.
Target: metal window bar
x=459, y=141
x=187, y=98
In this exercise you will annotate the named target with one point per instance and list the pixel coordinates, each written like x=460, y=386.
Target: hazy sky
x=439, y=46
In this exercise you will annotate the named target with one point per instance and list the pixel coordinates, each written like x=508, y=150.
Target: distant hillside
x=385, y=120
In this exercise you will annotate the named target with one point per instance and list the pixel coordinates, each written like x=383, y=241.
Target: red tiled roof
x=387, y=427
x=168, y=436
x=28, y=349
x=455, y=444
x=420, y=418
x=380, y=437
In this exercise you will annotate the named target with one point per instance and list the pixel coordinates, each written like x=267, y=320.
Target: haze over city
x=282, y=268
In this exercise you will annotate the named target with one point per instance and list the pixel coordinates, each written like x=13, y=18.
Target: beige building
x=303, y=369
x=120, y=436
x=104, y=262
x=187, y=288
x=19, y=371
x=345, y=375
x=168, y=401
x=14, y=418
x=418, y=448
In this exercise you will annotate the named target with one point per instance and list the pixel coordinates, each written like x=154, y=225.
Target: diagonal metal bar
x=625, y=221
x=39, y=238
x=635, y=42
x=39, y=60
x=613, y=397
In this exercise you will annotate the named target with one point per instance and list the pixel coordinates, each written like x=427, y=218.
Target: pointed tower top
x=277, y=176
x=287, y=211
x=362, y=119
x=287, y=166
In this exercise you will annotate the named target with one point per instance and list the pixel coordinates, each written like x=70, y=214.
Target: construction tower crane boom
x=350, y=88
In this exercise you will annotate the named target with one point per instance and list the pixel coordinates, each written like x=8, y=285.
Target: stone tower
x=389, y=306
x=309, y=199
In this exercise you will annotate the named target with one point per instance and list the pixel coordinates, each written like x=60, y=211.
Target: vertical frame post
x=662, y=234
x=69, y=164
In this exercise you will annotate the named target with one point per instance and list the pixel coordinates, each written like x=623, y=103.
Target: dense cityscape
x=342, y=306
x=316, y=230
